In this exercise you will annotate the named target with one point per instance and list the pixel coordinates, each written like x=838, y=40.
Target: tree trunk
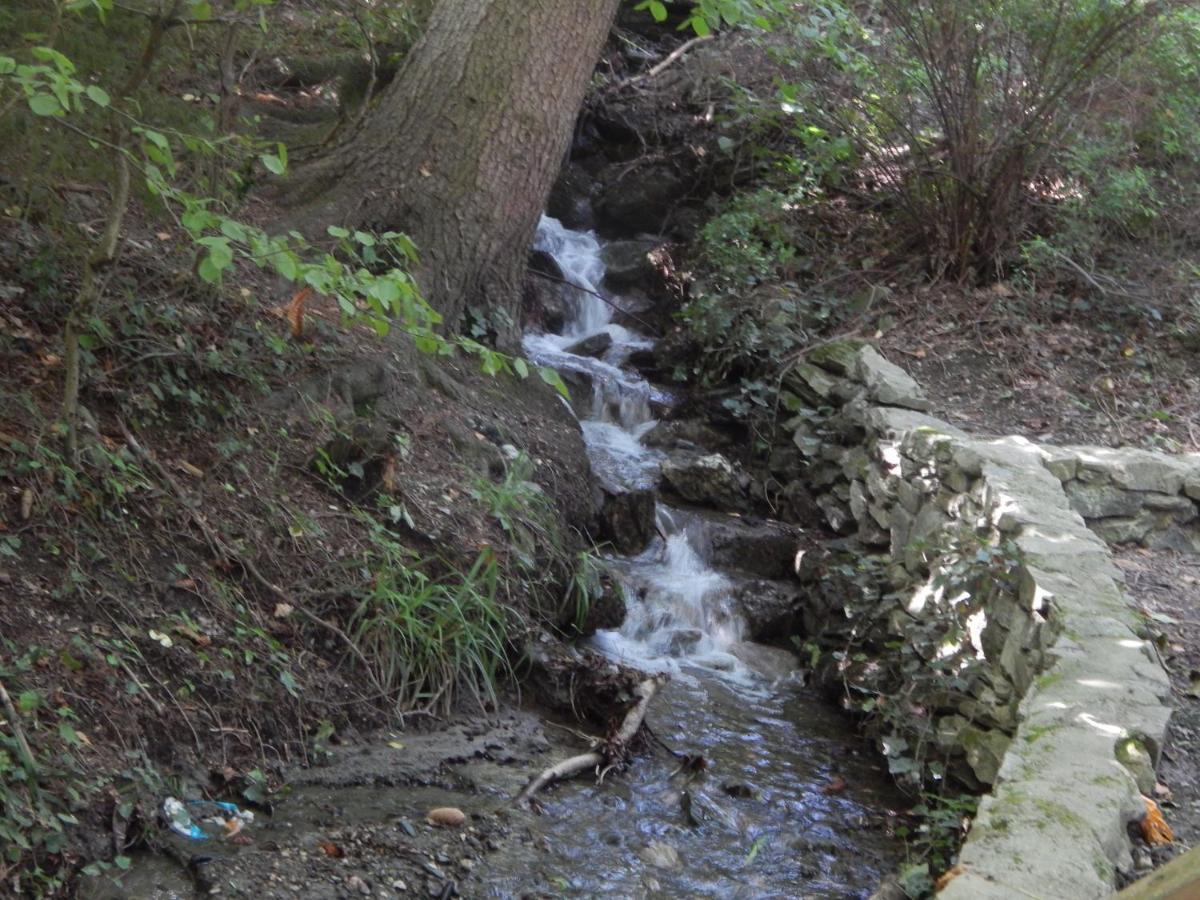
x=460, y=151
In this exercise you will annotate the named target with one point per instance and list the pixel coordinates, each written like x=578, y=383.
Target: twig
x=27, y=757
x=579, y=287
x=667, y=61
x=608, y=756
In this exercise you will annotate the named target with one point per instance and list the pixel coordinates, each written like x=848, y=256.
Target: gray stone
x=1125, y=530
x=985, y=751
x=772, y=610
x=628, y=264
x=763, y=549
x=887, y=383
x=811, y=384
x=838, y=357
x=1097, y=501
x=710, y=480
x=593, y=345
x=1135, y=470
x=837, y=515
x=627, y=519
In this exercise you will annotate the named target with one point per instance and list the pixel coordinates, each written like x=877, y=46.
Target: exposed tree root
x=608, y=754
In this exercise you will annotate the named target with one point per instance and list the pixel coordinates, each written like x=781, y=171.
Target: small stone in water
x=447, y=816
x=662, y=855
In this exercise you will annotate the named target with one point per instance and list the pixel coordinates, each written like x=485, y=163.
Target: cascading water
x=758, y=824
x=684, y=611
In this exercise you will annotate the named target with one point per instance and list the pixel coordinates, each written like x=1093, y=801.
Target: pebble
x=448, y=816
x=399, y=886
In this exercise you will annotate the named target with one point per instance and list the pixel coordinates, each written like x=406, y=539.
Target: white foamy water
x=680, y=609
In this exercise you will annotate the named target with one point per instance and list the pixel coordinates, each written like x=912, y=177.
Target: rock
x=811, y=384
x=446, y=816
x=739, y=789
x=606, y=608
x=627, y=520
x=838, y=357
x=1134, y=470
x=763, y=549
x=570, y=198
x=985, y=752
x=688, y=433
x=628, y=264
x=641, y=201
x=710, y=480
x=1096, y=501
x=887, y=383
x=593, y=345
x=772, y=610
x=683, y=640
x=661, y=854
x=772, y=663
x=545, y=305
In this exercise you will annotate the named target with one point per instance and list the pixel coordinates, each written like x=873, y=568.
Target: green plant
x=424, y=639
x=934, y=843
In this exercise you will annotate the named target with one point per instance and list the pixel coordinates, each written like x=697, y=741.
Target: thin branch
x=667, y=61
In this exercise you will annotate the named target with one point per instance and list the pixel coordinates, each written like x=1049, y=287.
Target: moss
x=1060, y=814
x=1032, y=735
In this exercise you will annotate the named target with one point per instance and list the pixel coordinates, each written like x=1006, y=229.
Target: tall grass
x=428, y=639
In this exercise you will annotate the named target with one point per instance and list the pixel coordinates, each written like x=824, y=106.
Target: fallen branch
x=668, y=60
x=579, y=287
x=607, y=755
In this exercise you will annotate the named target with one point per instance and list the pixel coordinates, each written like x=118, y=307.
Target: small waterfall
x=680, y=609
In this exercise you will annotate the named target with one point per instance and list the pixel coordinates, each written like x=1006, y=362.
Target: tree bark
x=461, y=150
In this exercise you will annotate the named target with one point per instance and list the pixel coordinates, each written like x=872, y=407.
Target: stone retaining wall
x=1069, y=705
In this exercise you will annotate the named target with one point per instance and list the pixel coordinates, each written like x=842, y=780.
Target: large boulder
x=570, y=198
x=769, y=550
x=627, y=520
x=707, y=479
x=629, y=264
x=772, y=610
x=641, y=201
x=593, y=345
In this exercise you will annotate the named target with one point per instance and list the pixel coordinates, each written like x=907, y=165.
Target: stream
x=769, y=818
x=790, y=803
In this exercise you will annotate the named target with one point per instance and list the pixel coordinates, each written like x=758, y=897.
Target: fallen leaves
x=330, y=849
x=834, y=787
x=1155, y=829
x=948, y=876
x=295, y=311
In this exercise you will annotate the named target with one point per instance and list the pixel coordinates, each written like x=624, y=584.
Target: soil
x=996, y=361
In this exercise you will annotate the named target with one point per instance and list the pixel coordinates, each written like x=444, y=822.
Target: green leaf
x=337, y=231
x=521, y=367
x=700, y=26
x=28, y=701
x=289, y=682
x=45, y=105
x=8, y=65
x=123, y=862
x=208, y=271
x=274, y=164
x=553, y=379
x=98, y=95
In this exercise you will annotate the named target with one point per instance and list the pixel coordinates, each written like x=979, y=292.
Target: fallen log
x=609, y=754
